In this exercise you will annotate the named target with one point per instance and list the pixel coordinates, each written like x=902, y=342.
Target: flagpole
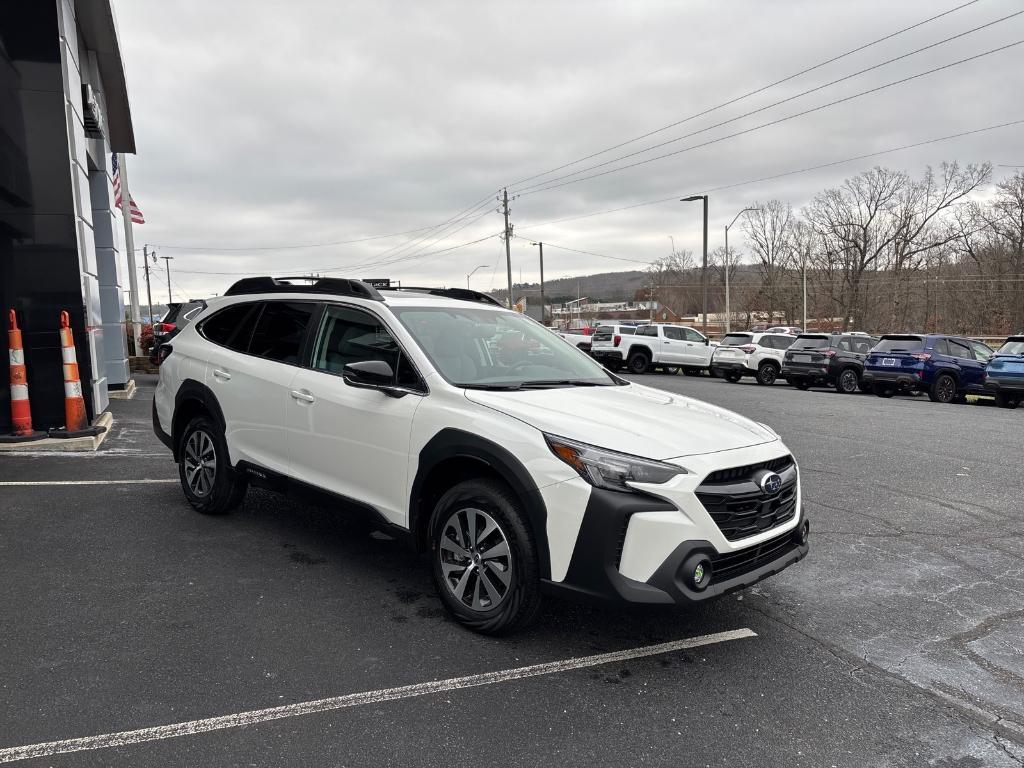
x=129, y=245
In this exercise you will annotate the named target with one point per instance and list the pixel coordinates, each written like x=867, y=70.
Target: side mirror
x=370, y=374
x=707, y=342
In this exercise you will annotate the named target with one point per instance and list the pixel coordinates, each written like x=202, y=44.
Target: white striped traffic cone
x=21, y=410
x=76, y=422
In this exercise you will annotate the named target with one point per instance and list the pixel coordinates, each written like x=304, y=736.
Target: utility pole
x=149, y=293
x=541, y=246
x=508, y=246
x=650, y=302
x=167, y=259
x=129, y=247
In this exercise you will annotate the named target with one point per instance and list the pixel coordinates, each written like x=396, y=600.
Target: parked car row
x=946, y=368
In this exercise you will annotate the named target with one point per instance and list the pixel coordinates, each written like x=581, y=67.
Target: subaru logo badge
x=771, y=484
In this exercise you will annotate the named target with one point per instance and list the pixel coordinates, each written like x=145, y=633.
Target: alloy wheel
x=200, y=463
x=848, y=381
x=475, y=559
x=945, y=390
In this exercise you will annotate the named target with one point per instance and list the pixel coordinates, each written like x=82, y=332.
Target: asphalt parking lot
x=898, y=642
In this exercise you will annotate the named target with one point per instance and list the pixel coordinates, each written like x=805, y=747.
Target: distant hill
x=605, y=286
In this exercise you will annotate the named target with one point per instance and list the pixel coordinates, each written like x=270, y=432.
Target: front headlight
x=610, y=469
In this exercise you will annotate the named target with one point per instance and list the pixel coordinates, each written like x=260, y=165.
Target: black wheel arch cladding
x=458, y=444
x=192, y=390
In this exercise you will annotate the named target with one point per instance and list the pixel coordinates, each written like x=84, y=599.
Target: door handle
x=305, y=397
x=217, y=372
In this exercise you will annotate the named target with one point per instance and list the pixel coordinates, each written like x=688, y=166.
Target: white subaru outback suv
x=519, y=463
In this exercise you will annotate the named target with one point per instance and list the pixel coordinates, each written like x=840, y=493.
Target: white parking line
x=192, y=727
x=143, y=481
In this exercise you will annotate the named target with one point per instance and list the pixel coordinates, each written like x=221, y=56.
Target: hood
x=631, y=419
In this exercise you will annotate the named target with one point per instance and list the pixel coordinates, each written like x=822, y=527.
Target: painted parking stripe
x=142, y=481
x=192, y=727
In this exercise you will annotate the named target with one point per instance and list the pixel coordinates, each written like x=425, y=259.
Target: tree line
x=883, y=251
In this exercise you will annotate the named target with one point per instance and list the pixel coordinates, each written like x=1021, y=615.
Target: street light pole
x=167, y=266
x=704, y=262
x=474, y=272
x=728, y=313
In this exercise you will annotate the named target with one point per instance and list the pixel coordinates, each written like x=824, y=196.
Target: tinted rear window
x=811, y=342
x=1012, y=347
x=899, y=344
x=280, y=330
x=736, y=339
x=231, y=327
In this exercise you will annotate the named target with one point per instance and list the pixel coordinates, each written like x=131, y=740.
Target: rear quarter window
x=231, y=327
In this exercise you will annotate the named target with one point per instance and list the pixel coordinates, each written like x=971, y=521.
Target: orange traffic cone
x=76, y=422
x=21, y=411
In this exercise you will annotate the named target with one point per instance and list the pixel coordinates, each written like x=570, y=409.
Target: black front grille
x=740, y=508
x=733, y=564
x=741, y=473
x=742, y=515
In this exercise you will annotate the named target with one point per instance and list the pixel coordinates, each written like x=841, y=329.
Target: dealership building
x=63, y=111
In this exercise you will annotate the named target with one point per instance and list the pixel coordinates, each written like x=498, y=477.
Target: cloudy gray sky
x=266, y=125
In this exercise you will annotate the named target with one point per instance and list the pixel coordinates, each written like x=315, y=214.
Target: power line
x=773, y=104
x=588, y=253
x=781, y=119
x=750, y=93
x=675, y=197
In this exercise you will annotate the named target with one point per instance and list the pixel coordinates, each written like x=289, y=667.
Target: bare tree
x=769, y=229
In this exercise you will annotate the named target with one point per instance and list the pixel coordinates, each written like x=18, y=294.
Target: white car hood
x=631, y=419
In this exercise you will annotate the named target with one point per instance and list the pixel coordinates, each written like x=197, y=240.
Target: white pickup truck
x=668, y=347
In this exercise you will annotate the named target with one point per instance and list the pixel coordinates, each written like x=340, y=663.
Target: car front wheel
x=485, y=562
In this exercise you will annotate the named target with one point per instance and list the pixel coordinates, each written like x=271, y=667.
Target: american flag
x=137, y=216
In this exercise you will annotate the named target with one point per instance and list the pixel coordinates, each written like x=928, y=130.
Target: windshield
x=736, y=339
x=811, y=342
x=487, y=349
x=1012, y=347
x=899, y=344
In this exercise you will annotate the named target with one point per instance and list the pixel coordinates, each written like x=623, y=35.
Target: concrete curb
x=66, y=445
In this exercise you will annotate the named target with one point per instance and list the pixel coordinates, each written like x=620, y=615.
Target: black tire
x=732, y=376
x=865, y=387
x=767, y=373
x=212, y=495
x=1004, y=400
x=943, y=389
x=848, y=381
x=519, y=604
x=639, y=362
x=885, y=390
x=802, y=384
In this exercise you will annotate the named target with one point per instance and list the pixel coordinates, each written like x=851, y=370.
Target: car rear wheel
x=885, y=390
x=767, y=373
x=485, y=563
x=802, y=384
x=1004, y=400
x=943, y=390
x=848, y=382
x=639, y=362
x=210, y=483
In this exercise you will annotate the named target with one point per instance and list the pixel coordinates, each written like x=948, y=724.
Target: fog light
x=696, y=571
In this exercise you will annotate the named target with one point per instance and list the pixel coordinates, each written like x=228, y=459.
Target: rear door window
x=231, y=327
x=647, y=330
x=959, y=349
x=280, y=330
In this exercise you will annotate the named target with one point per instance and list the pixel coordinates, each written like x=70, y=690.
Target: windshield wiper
x=540, y=383
x=493, y=387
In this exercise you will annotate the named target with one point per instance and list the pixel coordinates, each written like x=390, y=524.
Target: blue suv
x=944, y=367
x=1004, y=376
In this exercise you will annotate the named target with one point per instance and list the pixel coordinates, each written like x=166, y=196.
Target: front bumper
x=642, y=549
